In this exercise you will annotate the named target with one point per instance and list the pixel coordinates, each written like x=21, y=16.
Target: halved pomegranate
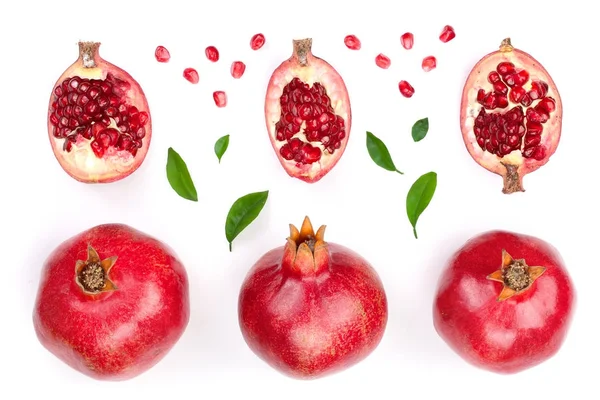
x=308, y=115
x=98, y=119
x=511, y=115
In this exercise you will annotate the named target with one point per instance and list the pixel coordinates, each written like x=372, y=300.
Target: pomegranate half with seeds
x=511, y=115
x=308, y=115
x=98, y=119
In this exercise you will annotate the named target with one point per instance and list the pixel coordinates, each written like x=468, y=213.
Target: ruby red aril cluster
x=407, y=41
x=308, y=105
x=520, y=128
x=87, y=108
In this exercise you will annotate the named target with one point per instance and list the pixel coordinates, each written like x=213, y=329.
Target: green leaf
x=379, y=153
x=243, y=211
x=419, y=196
x=179, y=176
x=420, y=129
x=221, y=146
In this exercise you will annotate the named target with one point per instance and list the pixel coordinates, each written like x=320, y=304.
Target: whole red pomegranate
x=312, y=308
x=504, y=302
x=308, y=115
x=112, y=302
x=98, y=119
x=511, y=115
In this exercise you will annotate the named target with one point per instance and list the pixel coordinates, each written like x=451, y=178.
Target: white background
x=362, y=204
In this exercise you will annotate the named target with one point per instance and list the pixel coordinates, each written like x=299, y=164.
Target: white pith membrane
x=472, y=108
x=315, y=71
x=80, y=161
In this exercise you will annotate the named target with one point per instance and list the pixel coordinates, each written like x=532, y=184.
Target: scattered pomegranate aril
x=511, y=115
x=406, y=89
x=285, y=325
x=191, y=75
x=257, y=41
x=162, y=54
x=90, y=95
x=220, y=98
x=447, y=34
x=382, y=61
x=428, y=63
x=352, y=42
x=212, y=53
x=237, y=69
x=407, y=40
x=308, y=114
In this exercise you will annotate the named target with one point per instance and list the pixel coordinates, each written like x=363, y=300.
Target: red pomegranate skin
x=311, y=323
x=506, y=336
x=116, y=334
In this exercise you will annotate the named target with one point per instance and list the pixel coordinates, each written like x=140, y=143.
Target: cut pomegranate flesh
x=407, y=40
x=382, y=61
x=429, y=63
x=308, y=115
x=352, y=42
x=98, y=119
x=212, y=53
x=511, y=115
x=406, y=89
x=257, y=41
x=162, y=54
x=447, y=34
x=220, y=98
x=191, y=75
x=237, y=69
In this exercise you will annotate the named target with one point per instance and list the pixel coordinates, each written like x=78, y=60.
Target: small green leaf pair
x=243, y=211
x=421, y=192
x=179, y=176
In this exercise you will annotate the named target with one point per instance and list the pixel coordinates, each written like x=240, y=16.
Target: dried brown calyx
x=306, y=252
x=92, y=275
x=515, y=275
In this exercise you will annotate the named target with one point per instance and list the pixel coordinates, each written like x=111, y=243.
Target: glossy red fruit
x=237, y=69
x=308, y=114
x=191, y=75
x=407, y=40
x=112, y=302
x=257, y=41
x=447, y=34
x=312, y=308
x=99, y=122
x=511, y=115
x=504, y=302
x=162, y=54
x=352, y=42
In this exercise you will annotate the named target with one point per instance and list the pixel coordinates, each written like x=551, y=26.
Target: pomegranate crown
x=306, y=252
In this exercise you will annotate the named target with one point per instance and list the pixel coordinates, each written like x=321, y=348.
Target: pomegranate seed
x=447, y=34
x=212, y=53
x=237, y=69
x=406, y=89
x=191, y=75
x=220, y=98
x=429, y=63
x=257, y=41
x=162, y=54
x=352, y=42
x=407, y=40
x=382, y=61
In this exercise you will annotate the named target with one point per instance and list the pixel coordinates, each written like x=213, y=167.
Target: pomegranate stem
x=88, y=52
x=302, y=49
